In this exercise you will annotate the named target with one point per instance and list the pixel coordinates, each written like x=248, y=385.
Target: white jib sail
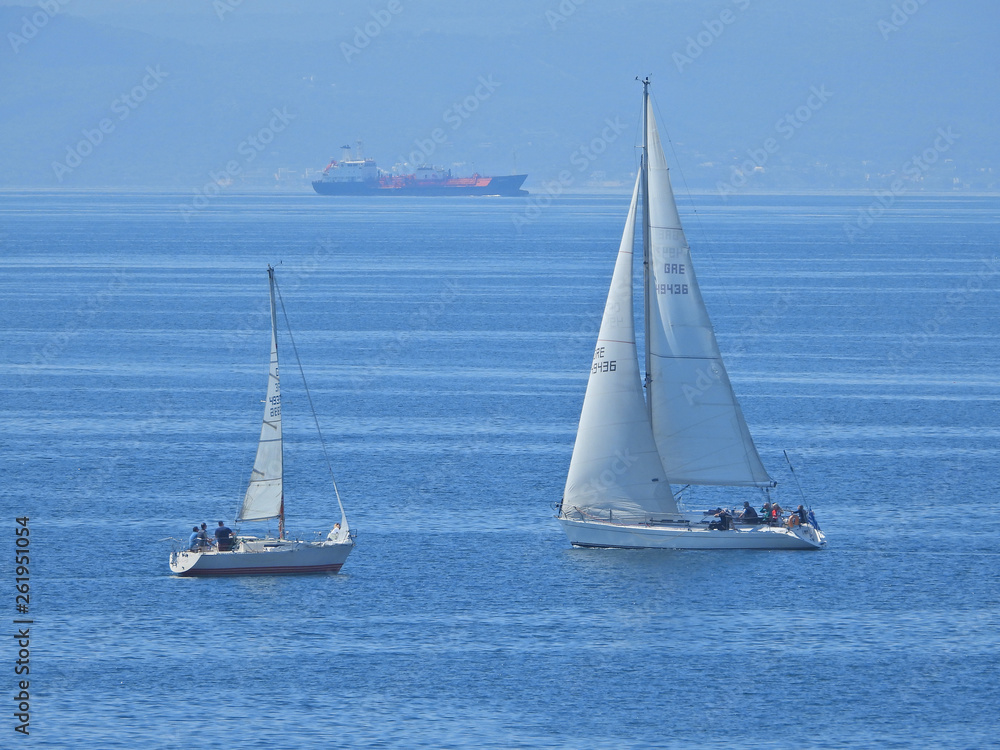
x=615, y=470
x=699, y=428
x=264, y=494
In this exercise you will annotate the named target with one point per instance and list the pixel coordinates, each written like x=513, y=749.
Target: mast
x=274, y=347
x=644, y=181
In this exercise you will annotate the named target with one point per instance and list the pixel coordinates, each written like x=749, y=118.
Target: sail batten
x=615, y=470
x=701, y=435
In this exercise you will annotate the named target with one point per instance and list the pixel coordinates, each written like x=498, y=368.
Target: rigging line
x=298, y=361
x=662, y=122
x=637, y=144
x=687, y=191
x=795, y=476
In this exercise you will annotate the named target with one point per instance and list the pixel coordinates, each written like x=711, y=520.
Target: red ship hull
x=508, y=186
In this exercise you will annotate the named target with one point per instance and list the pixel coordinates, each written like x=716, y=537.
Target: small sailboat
x=264, y=500
x=688, y=428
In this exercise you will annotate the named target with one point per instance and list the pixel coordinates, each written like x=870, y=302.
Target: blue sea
x=446, y=344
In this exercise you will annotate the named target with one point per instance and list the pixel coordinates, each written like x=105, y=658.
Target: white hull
x=694, y=536
x=264, y=557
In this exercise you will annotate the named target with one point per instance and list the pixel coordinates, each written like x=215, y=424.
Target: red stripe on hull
x=264, y=571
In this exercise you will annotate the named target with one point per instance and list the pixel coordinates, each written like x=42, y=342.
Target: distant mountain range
x=755, y=96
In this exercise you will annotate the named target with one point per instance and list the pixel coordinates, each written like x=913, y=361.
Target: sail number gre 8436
x=607, y=365
x=22, y=583
x=672, y=268
x=671, y=288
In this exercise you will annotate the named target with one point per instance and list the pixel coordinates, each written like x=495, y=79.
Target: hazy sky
x=754, y=94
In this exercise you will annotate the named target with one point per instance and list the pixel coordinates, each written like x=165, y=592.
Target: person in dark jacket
x=725, y=522
x=224, y=537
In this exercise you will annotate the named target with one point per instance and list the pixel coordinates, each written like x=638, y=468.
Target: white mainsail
x=699, y=428
x=615, y=469
x=264, y=494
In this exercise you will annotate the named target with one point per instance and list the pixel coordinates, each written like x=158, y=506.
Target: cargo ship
x=355, y=175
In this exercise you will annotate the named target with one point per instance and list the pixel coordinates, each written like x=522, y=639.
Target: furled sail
x=699, y=428
x=264, y=494
x=615, y=470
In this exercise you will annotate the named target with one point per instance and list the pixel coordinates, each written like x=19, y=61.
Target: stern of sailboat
x=182, y=561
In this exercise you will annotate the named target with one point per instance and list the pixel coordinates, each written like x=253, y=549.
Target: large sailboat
x=688, y=428
x=265, y=500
